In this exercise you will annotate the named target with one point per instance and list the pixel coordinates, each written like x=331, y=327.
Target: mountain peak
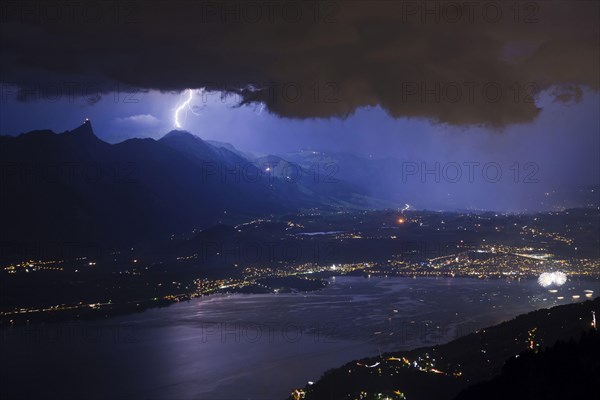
x=176, y=133
x=83, y=130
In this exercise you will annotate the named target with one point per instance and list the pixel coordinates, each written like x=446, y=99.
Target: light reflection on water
x=258, y=346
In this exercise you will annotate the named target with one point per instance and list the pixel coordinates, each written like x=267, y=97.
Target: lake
x=257, y=346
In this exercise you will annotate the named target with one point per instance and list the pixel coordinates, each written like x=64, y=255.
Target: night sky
x=434, y=82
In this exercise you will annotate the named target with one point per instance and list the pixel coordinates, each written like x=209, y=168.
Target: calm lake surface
x=257, y=346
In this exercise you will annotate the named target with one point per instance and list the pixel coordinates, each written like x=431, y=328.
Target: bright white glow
x=552, y=278
x=368, y=366
x=186, y=104
x=262, y=107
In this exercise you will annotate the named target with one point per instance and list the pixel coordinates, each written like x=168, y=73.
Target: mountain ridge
x=72, y=186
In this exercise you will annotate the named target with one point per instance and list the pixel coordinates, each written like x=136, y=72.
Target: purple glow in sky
x=373, y=82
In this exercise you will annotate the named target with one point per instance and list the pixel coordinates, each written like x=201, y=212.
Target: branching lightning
x=184, y=105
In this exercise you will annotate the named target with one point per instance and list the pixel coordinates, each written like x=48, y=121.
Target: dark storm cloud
x=459, y=63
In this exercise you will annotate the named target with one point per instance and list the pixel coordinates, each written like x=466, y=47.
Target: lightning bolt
x=185, y=104
x=262, y=107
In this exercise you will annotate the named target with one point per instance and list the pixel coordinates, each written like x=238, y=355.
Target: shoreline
x=85, y=312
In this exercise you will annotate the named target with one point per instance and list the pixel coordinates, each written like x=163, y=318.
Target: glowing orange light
x=401, y=220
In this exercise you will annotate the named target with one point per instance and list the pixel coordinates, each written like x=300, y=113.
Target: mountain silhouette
x=565, y=370
x=74, y=187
